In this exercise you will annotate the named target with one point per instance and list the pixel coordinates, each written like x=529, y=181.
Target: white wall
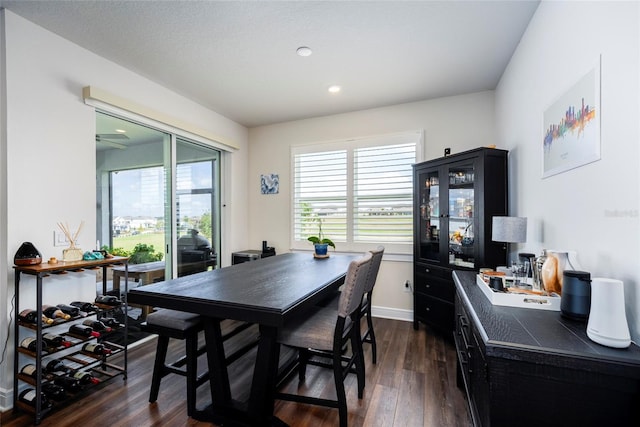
x=460, y=122
x=593, y=209
x=50, y=141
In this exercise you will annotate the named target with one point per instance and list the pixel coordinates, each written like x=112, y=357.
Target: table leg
x=218, y=375
x=116, y=283
x=223, y=410
x=261, y=400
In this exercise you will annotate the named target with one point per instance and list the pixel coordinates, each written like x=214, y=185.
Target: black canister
x=576, y=294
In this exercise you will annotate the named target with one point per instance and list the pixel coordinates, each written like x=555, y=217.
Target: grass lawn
x=129, y=242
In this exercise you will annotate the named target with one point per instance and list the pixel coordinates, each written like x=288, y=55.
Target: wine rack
x=99, y=366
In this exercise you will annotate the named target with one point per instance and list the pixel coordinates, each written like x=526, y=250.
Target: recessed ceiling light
x=121, y=131
x=303, y=51
x=335, y=89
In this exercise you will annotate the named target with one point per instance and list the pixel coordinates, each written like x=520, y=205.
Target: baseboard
x=392, y=313
x=6, y=400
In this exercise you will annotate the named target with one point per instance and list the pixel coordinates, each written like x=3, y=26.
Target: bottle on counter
x=536, y=268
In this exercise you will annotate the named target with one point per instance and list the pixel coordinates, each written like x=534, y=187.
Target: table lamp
x=509, y=229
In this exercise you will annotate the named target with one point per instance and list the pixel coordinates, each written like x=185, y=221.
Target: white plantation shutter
x=383, y=194
x=360, y=190
x=320, y=194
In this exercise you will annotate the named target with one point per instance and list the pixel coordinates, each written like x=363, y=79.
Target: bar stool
x=178, y=325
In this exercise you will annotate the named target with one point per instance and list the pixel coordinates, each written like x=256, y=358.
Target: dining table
x=270, y=292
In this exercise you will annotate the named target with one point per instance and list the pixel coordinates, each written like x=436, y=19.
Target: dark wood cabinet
x=528, y=367
x=455, y=198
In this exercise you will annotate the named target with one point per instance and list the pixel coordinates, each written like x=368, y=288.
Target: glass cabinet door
x=429, y=220
x=462, y=249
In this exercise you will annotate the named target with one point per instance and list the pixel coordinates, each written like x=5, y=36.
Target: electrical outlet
x=59, y=238
x=407, y=286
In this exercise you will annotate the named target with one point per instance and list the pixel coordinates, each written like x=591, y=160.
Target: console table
x=529, y=367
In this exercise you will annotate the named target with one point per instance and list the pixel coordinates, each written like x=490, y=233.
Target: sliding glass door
x=139, y=201
x=197, y=218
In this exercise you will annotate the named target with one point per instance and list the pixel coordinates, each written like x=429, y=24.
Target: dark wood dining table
x=269, y=292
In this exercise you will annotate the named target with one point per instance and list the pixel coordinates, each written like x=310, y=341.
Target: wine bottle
x=70, y=384
x=69, y=309
x=28, y=397
x=53, y=340
x=112, y=322
x=108, y=300
x=29, y=316
x=85, y=307
x=57, y=367
x=83, y=331
x=54, y=312
x=85, y=378
x=97, y=325
x=29, y=370
x=30, y=343
x=54, y=391
x=96, y=348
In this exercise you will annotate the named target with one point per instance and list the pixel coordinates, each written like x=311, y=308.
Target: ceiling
x=239, y=58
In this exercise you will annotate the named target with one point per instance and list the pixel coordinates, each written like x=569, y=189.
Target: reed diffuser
x=72, y=253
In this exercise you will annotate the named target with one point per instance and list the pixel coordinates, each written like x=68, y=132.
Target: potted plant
x=321, y=244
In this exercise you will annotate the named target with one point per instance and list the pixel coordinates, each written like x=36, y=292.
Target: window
x=360, y=191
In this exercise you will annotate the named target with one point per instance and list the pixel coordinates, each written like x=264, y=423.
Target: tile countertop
x=540, y=336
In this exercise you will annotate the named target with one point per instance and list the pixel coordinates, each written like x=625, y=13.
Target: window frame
x=350, y=145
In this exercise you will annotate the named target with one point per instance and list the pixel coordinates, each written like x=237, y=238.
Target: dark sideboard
x=530, y=367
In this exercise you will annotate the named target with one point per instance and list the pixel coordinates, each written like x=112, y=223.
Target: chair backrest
x=376, y=260
x=354, y=285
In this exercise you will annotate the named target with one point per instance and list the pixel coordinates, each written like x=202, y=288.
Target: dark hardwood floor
x=413, y=384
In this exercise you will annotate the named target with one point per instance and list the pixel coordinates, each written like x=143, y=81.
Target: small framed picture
x=269, y=183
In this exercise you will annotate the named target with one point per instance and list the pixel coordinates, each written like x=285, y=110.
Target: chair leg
x=338, y=377
x=158, y=367
x=358, y=354
x=303, y=358
x=192, y=368
x=372, y=336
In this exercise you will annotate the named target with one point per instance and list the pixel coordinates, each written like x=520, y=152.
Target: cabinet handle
x=463, y=321
x=426, y=270
x=427, y=309
x=427, y=286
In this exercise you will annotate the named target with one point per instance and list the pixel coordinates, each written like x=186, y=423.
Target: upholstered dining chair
x=325, y=332
x=369, y=335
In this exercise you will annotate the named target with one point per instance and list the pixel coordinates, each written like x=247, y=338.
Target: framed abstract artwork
x=269, y=183
x=572, y=126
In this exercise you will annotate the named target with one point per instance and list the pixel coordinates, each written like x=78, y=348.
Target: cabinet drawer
x=434, y=311
x=432, y=271
x=434, y=287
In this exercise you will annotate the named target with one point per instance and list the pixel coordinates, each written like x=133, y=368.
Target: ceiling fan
x=106, y=139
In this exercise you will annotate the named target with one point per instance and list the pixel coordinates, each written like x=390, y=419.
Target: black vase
x=27, y=254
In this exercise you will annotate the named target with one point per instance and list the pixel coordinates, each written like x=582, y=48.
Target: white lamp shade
x=509, y=229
